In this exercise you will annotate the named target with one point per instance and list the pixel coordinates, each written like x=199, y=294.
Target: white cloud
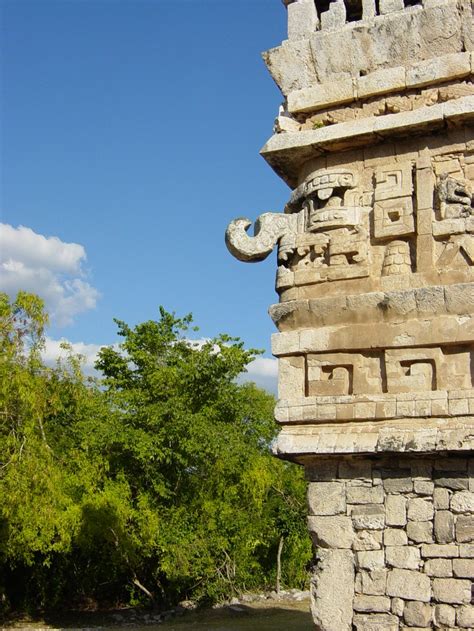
x=48, y=267
x=53, y=351
x=264, y=372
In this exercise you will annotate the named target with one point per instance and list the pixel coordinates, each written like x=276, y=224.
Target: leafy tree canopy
x=153, y=483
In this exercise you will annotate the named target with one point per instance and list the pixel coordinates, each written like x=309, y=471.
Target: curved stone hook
x=269, y=228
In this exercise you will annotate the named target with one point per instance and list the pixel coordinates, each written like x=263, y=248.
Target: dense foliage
x=152, y=484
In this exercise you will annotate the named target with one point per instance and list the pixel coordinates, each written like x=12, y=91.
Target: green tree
x=155, y=484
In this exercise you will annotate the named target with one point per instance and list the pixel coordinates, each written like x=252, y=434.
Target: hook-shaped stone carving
x=269, y=229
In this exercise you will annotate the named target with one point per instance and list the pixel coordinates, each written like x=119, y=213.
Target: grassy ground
x=261, y=616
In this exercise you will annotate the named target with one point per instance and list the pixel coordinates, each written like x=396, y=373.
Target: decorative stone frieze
x=375, y=319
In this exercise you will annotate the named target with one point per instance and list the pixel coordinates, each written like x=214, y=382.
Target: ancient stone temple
x=375, y=316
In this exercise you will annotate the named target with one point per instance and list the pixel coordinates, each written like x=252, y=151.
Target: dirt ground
x=269, y=615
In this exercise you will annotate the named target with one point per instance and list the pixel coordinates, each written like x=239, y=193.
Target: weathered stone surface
x=442, y=568
x=368, y=540
x=334, y=531
x=462, y=502
x=444, y=526
x=364, y=495
x=452, y=590
x=375, y=278
x=463, y=568
x=403, y=557
x=332, y=608
x=453, y=481
x=439, y=550
x=326, y=498
x=420, y=509
x=396, y=510
x=417, y=614
x=465, y=528
x=441, y=498
x=399, y=484
x=465, y=616
x=374, y=582
x=444, y=616
x=397, y=606
x=376, y=604
x=375, y=622
x=395, y=537
x=409, y=584
x=420, y=531
x=370, y=517
x=370, y=559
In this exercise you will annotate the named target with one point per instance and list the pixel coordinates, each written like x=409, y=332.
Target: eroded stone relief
x=376, y=303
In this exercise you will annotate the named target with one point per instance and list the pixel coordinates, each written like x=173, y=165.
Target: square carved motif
x=393, y=218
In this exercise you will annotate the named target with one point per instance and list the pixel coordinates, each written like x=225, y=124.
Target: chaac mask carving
x=323, y=232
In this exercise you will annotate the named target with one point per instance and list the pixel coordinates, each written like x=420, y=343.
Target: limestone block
x=417, y=614
x=452, y=590
x=395, y=537
x=397, y=606
x=465, y=616
x=435, y=550
x=291, y=65
x=365, y=495
x=326, y=498
x=291, y=377
x=454, y=481
x=370, y=517
x=423, y=487
x=356, y=470
x=401, y=482
x=466, y=550
x=420, y=531
x=395, y=510
x=332, y=608
x=333, y=531
x=377, y=604
x=381, y=81
x=438, y=69
x=322, y=95
x=389, y=6
x=373, y=582
x=463, y=502
x=368, y=540
x=441, y=498
x=302, y=19
x=463, y=568
x=409, y=585
x=444, y=616
x=370, y=559
x=407, y=557
x=441, y=568
x=375, y=622
x=465, y=528
x=334, y=17
x=420, y=509
x=444, y=526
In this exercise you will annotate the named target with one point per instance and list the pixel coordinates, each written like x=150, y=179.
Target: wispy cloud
x=48, y=267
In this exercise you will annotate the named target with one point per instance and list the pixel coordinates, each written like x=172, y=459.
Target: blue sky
x=132, y=129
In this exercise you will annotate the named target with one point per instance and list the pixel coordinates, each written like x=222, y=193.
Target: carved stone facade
x=376, y=285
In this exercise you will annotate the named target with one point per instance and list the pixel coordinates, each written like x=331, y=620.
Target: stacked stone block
x=375, y=317
x=398, y=537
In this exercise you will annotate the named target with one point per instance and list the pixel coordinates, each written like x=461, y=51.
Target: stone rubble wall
x=394, y=540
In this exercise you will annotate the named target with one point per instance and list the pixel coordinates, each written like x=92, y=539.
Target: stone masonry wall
x=394, y=541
